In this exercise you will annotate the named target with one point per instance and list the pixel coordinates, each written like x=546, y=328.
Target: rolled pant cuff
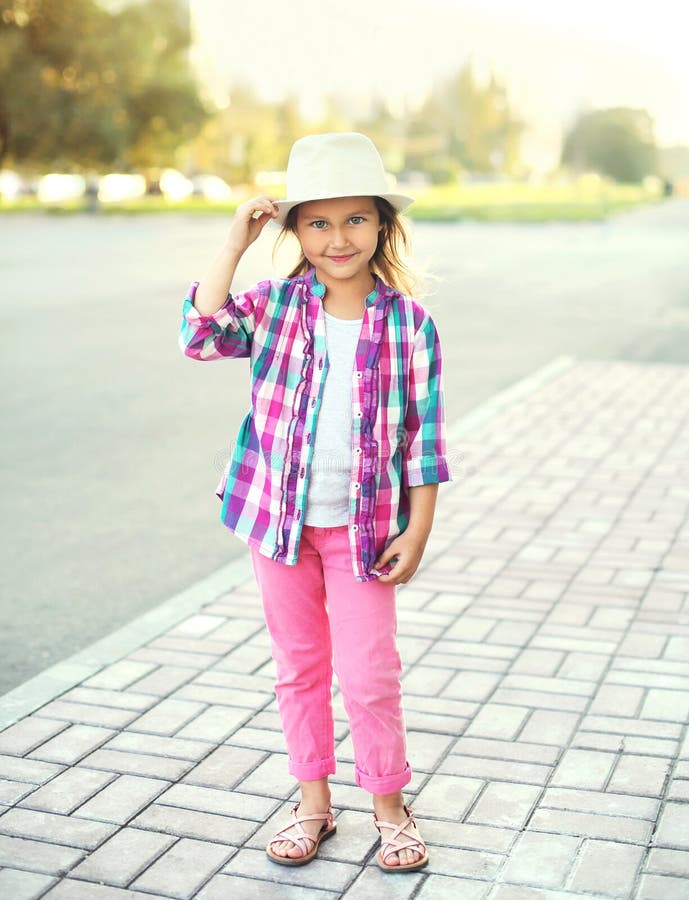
x=385, y=784
x=312, y=771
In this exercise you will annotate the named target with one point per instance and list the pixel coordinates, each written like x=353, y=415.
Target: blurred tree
x=617, y=142
x=81, y=87
x=461, y=126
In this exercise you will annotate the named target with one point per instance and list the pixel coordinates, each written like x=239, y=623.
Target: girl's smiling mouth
x=341, y=259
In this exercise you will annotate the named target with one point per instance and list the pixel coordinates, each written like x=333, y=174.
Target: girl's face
x=339, y=236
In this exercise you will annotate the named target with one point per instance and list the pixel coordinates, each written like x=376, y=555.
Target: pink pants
x=319, y=616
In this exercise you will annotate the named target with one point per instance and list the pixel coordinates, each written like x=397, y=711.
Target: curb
x=56, y=680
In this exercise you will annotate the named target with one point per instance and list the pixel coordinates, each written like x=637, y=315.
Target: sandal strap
x=393, y=844
x=301, y=835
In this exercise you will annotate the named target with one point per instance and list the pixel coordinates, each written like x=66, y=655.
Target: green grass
x=588, y=199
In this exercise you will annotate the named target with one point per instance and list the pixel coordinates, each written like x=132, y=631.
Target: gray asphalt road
x=113, y=442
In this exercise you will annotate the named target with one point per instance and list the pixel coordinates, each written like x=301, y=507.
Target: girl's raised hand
x=246, y=226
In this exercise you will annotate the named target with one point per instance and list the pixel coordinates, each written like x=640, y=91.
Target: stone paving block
x=198, y=625
x=244, y=658
x=224, y=767
x=448, y=796
x=540, y=699
x=137, y=764
x=679, y=790
x=638, y=643
x=516, y=751
x=319, y=873
x=373, y=884
x=167, y=717
x=584, y=769
x=642, y=775
x=122, y=799
x=422, y=721
x=497, y=721
x=88, y=714
x=465, y=835
x=425, y=680
x=11, y=792
x=462, y=863
x=72, y=744
x=549, y=685
x=184, y=868
x=513, y=632
x=221, y=696
x=495, y=769
x=537, y=662
x=28, y=734
x=673, y=827
x=677, y=648
x=614, y=699
x=215, y=723
x=471, y=686
x=518, y=892
x=470, y=628
x=191, y=823
x=232, y=803
x=42, y=826
x=543, y=860
x=119, y=675
x=162, y=680
x=158, y=745
x=606, y=868
x=123, y=857
x=600, y=802
x=18, y=885
x=38, y=856
x=668, y=862
x=669, y=706
x=613, y=828
x=106, y=697
x=617, y=725
x=504, y=804
x=586, y=666
x=270, y=778
x=73, y=889
x=258, y=739
x=550, y=727
x=192, y=661
x=223, y=887
x=69, y=790
x=662, y=887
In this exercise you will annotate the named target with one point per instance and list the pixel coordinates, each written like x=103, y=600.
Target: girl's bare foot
x=315, y=798
x=390, y=808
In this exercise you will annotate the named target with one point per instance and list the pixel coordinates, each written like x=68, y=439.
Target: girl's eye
x=317, y=223
x=360, y=218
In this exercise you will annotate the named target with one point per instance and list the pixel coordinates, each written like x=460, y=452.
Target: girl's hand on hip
x=246, y=226
x=408, y=548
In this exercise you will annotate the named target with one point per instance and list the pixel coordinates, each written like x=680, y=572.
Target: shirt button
x=359, y=374
x=357, y=485
x=313, y=402
x=355, y=527
x=308, y=438
x=359, y=414
x=358, y=450
x=301, y=474
x=320, y=363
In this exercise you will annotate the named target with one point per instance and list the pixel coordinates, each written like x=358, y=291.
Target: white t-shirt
x=327, y=498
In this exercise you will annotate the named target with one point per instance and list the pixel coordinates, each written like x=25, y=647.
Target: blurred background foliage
x=86, y=87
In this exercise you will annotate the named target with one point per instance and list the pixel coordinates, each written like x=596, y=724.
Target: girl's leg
x=293, y=599
x=363, y=623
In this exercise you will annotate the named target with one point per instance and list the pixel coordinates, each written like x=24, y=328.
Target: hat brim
x=399, y=201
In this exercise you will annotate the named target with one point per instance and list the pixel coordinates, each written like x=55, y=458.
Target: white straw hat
x=338, y=164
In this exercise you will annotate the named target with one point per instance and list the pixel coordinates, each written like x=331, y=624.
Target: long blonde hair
x=388, y=262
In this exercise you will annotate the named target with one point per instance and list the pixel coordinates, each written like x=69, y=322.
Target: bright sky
x=554, y=56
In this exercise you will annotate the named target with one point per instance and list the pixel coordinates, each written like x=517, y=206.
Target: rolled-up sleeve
x=226, y=334
x=425, y=460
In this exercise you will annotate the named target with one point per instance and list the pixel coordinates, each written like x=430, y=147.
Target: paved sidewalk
x=546, y=643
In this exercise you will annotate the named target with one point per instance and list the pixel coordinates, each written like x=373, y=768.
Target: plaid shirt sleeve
x=226, y=334
x=425, y=460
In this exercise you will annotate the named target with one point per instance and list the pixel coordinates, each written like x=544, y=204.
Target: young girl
x=334, y=478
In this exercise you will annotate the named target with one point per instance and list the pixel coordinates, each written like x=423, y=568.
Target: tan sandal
x=301, y=839
x=401, y=839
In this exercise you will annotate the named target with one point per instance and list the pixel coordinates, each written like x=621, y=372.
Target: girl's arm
x=213, y=290
x=216, y=325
